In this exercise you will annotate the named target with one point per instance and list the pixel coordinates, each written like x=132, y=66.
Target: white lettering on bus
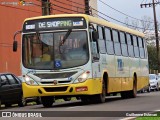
x=30, y=27
x=42, y=25
x=53, y=24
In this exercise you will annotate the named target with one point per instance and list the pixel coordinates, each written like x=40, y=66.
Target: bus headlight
x=83, y=77
x=30, y=81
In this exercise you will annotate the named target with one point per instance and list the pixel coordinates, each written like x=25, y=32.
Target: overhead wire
x=54, y=8
x=7, y=44
x=97, y=15
x=52, y=4
x=69, y=4
x=64, y=8
x=119, y=20
x=76, y=11
x=75, y=3
x=124, y=13
x=142, y=2
x=19, y=8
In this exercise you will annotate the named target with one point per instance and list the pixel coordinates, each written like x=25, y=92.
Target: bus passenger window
x=94, y=51
x=101, y=42
x=123, y=44
x=108, y=34
x=100, y=32
x=130, y=45
x=141, y=47
x=117, y=46
x=136, y=49
x=109, y=42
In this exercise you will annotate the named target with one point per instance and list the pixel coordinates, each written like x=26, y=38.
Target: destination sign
x=54, y=24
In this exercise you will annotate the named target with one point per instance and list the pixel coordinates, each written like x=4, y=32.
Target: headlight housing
x=83, y=77
x=30, y=81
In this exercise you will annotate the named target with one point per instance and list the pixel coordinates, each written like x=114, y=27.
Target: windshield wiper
x=65, y=37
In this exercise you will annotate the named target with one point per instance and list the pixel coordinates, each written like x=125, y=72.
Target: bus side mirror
x=95, y=35
x=15, y=44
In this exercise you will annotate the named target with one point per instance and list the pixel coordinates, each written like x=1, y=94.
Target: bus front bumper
x=89, y=87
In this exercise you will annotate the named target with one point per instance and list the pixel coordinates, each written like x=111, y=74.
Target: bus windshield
x=48, y=50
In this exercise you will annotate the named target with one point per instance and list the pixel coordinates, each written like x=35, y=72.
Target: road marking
x=128, y=118
x=71, y=107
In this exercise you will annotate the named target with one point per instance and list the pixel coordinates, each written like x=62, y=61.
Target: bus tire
x=67, y=98
x=86, y=99
x=47, y=101
x=157, y=88
x=22, y=102
x=38, y=100
x=149, y=90
x=100, y=98
x=124, y=94
x=7, y=105
x=0, y=102
x=133, y=93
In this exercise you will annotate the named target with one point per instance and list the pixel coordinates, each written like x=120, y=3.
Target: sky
x=129, y=7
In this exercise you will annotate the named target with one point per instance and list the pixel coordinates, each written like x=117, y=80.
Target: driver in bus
x=46, y=54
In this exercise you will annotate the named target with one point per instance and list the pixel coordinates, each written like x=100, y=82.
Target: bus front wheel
x=100, y=98
x=47, y=101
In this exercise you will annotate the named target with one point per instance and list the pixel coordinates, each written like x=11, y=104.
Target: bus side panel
x=111, y=72
x=126, y=82
x=144, y=74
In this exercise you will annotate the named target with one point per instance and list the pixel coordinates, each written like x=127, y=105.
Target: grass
x=150, y=118
x=61, y=100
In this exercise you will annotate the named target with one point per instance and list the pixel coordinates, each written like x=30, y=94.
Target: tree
x=152, y=57
x=143, y=25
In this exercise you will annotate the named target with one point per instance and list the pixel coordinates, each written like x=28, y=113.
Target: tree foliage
x=152, y=57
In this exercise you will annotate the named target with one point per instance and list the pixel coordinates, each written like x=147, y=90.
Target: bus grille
x=55, y=89
x=54, y=75
x=51, y=82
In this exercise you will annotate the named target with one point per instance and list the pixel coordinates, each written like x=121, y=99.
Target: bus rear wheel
x=124, y=94
x=47, y=101
x=133, y=93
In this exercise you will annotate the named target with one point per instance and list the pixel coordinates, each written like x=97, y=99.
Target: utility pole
x=87, y=8
x=46, y=7
x=156, y=28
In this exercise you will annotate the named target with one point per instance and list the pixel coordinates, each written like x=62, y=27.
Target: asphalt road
x=114, y=108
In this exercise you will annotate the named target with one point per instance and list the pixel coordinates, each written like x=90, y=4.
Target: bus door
x=95, y=60
x=98, y=55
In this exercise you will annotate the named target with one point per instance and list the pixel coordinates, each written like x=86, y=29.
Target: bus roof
x=93, y=20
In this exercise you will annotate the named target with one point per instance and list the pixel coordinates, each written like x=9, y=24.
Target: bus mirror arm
x=95, y=59
x=95, y=35
x=15, y=43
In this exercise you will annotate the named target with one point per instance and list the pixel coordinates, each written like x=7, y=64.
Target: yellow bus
x=79, y=55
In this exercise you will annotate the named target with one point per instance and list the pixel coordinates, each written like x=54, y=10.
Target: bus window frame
x=143, y=47
x=123, y=43
x=103, y=39
x=116, y=42
x=95, y=56
x=109, y=40
x=135, y=47
x=130, y=44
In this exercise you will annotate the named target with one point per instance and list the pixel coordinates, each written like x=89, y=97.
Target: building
x=12, y=17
